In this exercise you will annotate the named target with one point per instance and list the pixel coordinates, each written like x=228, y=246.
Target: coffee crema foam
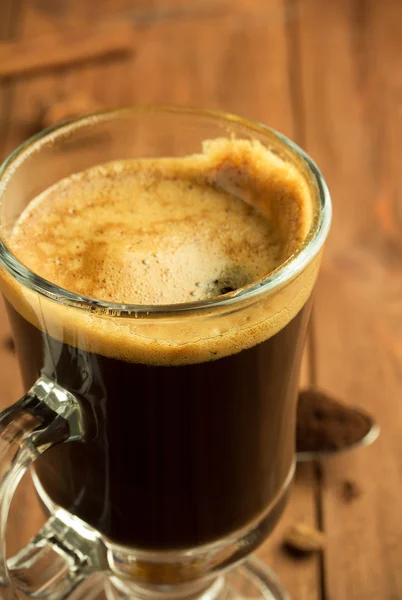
x=166, y=231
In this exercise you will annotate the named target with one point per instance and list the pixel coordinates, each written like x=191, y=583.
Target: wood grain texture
x=242, y=63
x=148, y=12
x=350, y=63
x=23, y=510
x=301, y=576
x=73, y=46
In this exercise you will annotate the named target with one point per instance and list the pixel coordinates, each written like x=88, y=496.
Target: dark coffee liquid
x=176, y=456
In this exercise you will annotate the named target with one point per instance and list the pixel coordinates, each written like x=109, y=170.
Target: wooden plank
x=74, y=46
x=207, y=65
x=148, y=12
x=352, y=92
x=236, y=64
x=301, y=577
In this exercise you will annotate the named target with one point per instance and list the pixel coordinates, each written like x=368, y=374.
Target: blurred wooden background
x=328, y=74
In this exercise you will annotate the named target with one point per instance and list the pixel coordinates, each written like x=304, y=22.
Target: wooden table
x=328, y=74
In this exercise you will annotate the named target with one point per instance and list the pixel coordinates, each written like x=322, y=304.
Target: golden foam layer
x=165, y=231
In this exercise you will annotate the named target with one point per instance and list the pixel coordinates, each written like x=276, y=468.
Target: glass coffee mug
x=162, y=436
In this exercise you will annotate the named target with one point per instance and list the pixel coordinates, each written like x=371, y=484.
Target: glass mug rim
x=294, y=265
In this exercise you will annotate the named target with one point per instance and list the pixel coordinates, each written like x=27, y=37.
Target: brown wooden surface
x=328, y=74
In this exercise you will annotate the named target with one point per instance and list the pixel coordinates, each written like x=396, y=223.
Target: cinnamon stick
x=73, y=46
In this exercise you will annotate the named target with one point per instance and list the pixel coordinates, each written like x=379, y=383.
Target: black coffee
x=190, y=421
x=180, y=455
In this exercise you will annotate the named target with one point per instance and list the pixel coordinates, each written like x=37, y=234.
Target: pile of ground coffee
x=325, y=424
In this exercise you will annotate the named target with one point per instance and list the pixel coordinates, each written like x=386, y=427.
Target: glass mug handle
x=60, y=556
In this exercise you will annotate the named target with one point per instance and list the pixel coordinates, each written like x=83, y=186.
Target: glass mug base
x=251, y=580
